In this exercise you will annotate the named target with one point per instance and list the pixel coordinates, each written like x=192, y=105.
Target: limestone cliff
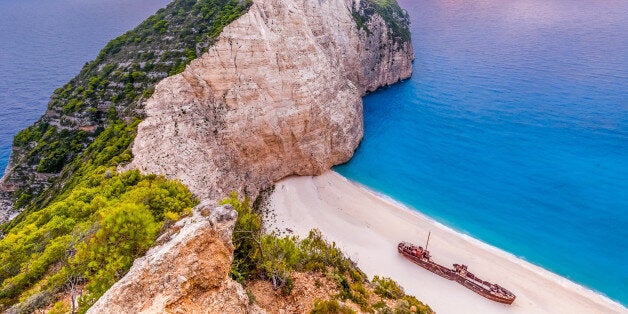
x=278, y=94
x=188, y=273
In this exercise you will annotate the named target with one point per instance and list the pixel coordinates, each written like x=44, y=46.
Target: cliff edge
x=278, y=94
x=188, y=273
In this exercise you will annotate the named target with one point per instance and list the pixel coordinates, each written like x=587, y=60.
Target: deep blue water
x=44, y=43
x=513, y=129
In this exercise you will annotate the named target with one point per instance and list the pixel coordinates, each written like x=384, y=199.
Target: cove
x=514, y=130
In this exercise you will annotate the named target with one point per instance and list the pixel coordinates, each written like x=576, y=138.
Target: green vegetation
x=84, y=223
x=160, y=46
x=69, y=144
x=110, y=148
x=387, y=288
x=122, y=76
x=395, y=17
x=60, y=308
x=274, y=258
x=91, y=232
x=330, y=307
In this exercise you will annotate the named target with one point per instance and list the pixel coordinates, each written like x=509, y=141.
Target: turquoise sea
x=513, y=129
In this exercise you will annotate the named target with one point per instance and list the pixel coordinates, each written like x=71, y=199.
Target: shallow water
x=513, y=129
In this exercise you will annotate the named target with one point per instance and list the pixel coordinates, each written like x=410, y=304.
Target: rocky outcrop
x=278, y=94
x=188, y=273
x=6, y=203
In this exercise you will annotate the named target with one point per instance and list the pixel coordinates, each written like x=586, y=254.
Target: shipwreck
x=459, y=273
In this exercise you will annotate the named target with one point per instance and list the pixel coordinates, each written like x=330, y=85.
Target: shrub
x=359, y=295
x=275, y=258
x=280, y=256
x=381, y=307
x=246, y=238
x=330, y=307
x=387, y=288
x=415, y=306
x=125, y=233
x=60, y=308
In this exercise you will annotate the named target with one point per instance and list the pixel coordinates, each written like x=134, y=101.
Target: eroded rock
x=187, y=273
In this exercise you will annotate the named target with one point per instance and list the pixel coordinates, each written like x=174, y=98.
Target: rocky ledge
x=278, y=94
x=187, y=273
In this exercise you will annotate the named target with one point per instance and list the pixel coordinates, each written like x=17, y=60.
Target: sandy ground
x=368, y=227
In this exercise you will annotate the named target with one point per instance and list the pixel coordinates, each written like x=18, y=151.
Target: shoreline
x=563, y=281
x=342, y=209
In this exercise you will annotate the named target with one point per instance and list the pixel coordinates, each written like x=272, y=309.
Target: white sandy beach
x=368, y=227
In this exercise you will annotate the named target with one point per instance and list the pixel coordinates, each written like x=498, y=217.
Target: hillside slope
x=116, y=83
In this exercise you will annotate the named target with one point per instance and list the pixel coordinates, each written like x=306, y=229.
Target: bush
x=359, y=295
x=330, y=307
x=381, y=307
x=387, y=288
x=125, y=233
x=60, y=308
x=275, y=258
x=246, y=238
x=414, y=305
x=279, y=258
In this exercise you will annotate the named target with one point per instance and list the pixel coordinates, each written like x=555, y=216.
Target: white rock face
x=278, y=94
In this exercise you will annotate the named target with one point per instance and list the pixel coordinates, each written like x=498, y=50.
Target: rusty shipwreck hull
x=459, y=274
